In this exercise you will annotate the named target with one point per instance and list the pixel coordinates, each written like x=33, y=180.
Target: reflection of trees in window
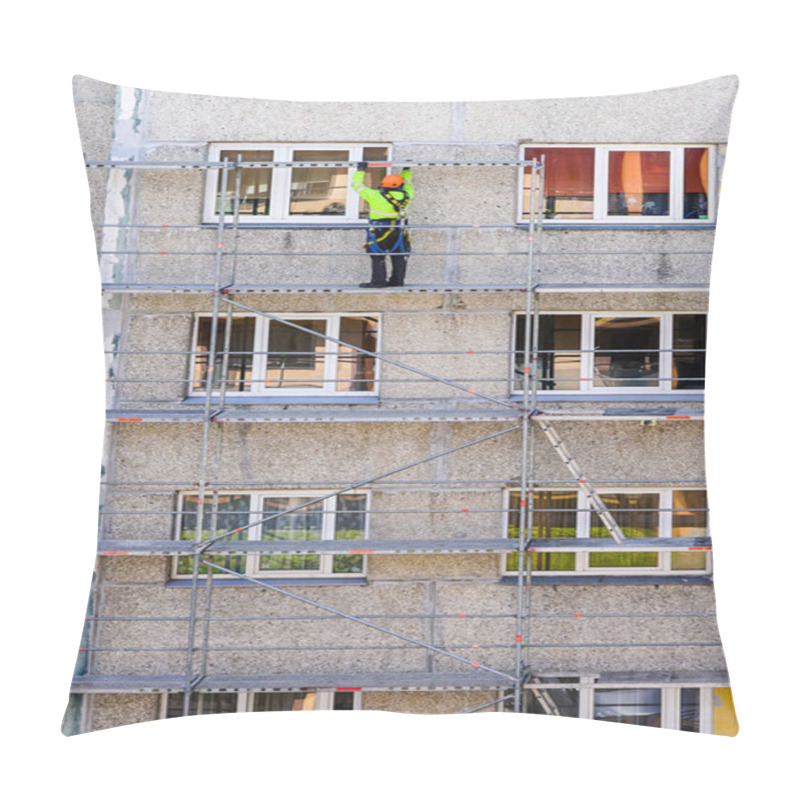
x=554, y=517
x=220, y=514
x=638, y=517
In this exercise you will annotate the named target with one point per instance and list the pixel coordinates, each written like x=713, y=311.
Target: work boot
x=373, y=285
x=393, y=282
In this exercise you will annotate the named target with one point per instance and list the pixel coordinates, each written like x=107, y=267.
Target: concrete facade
x=639, y=628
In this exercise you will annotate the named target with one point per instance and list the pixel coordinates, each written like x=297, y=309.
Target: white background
x=53, y=383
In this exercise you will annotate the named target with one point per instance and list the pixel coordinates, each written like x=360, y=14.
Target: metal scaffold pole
x=208, y=418
x=529, y=384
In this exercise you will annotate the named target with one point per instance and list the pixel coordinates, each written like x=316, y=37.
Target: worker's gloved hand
x=362, y=165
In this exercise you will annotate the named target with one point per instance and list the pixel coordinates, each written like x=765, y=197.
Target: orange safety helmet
x=392, y=182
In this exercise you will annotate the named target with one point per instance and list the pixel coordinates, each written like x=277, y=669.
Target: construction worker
x=388, y=235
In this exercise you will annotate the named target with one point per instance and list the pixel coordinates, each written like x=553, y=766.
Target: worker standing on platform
x=388, y=234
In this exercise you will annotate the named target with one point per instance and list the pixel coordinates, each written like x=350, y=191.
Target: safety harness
x=390, y=227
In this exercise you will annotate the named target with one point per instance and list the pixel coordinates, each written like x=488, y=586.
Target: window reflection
x=319, y=190
x=638, y=183
x=631, y=706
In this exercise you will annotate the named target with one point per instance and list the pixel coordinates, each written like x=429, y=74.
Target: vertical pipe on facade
x=201, y=483
x=528, y=401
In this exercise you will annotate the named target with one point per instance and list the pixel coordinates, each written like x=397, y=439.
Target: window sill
x=186, y=583
x=629, y=226
x=612, y=580
x=293, y=400
x=596, y=397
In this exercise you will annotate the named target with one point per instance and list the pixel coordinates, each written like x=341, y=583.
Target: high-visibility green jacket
x=379, y=206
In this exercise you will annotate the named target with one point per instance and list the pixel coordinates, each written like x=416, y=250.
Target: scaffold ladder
x=583, y=484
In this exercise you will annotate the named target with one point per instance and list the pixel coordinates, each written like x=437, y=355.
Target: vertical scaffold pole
x=223, y=390
x=207, y=420
x=529, y=378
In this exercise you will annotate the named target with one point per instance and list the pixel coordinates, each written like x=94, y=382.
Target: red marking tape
x=677, y=417
x=116, y=552
x=347, y=689
x=355, y=552
x=129, y=419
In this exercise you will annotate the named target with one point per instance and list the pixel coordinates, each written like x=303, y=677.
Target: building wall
x=152, y=462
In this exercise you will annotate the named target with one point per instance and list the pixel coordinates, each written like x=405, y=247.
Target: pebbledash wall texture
x=622, y=254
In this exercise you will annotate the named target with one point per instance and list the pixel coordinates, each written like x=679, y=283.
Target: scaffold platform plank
x=204, y=288
x=397, y=682
x=139, y=547
x=360, y=414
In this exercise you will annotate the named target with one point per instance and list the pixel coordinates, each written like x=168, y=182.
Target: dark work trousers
x=396, y=246
x=398, y=268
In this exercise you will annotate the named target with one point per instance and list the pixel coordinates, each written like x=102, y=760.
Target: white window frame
x=281, y=182
x=245, y=700
x=583, y=534
x=260, y=356
x=601, y=160
x=586, y=376
x=670, y=699
x=257, y=513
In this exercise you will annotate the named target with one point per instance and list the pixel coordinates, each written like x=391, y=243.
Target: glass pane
x=554, y=517
x=255, y=186
x=568, y=182
x=695, y=183
x=690, y=710
x=355, y=371
x=240, y=354
x=302, y=525
x=211, y=703
x=626, y=352
x=689, y=351
x=373, y=176
x=637, y=515
x=319, y=190
x=296, y=358
x=638, y=183
x=220, y=514
x=559, y=352
x=631, y=706
x=350, y=524
x=689, y=520
x=284, y=701
x=553, y=702
x=344, y=701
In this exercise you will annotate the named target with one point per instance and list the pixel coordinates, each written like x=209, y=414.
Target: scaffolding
x=518, y=414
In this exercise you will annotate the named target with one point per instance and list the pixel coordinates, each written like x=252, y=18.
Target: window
x=652, y=514
x=270, y=517
x=294, y=355
x=298, y=193
x=238, y=702
x=685, y=708
x=612, y=353
x=623, y=183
